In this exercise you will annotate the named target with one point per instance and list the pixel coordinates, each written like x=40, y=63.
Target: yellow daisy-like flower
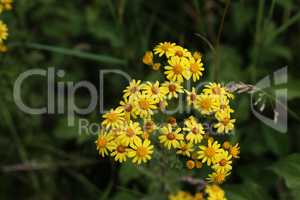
x=170, y=138
x=196, y=68
x=133, y=89
x=178, y=51
x=235, y=150
x=223, y=163
x=215, y=192
x=103, y=143
x=148, y=58
x=119, y=150
x=149, y=126
x=206, y=104
x=141, y=151
x=131, y=133
x=5, y=5
x=145, y=105
x=3, y=31
x=185, y=149
x=191, y=96
x=218, y=177
x=194, y=130
x=155, y=91
x=114, y=118
x=174, y=88
x=127, y=105
x=217, y=89
x=209, y=153
x=177, y=69
x=156, y=66
x=163, y=47
x=181, y=195
x=197, y=55
x=225, y=124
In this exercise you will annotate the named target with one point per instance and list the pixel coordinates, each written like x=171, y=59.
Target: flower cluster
x=211, y=192
x=142, y=119
x=5, y=5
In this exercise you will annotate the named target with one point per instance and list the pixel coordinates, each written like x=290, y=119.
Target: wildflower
x=190, y=164
x=181, y=195
x=191, y=96
x=149, y=126
x=133, y=89
x=163, y=48
x=215, y=192
x=141, y=151
x=170, y=138
x=194, y=130
x=185, y=149
x=179, y=52
x=196, y=68
x=114, y=118
x=198, y=196
x=155, y=91
x=235, y=151
x=128, y=108
x=218, y=177
x=206, y=104
x=197, y=55
x=226, y=145
x=174, y=89
x=172, y=121
x=225, y=124
x=198, y=164
x=223, y=163
x=156, y=66
x=177, y=69
x=131, y=133
x=103, y=143
x=5, y=5
x=119, y=151
x=217, y=89
x=3, y=31
x=148, y=58
x=210, y=152
x=145, y=105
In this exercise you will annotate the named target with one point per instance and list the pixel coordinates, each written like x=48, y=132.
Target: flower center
x=223, y=162
x=155, y=90
x=172, y=87
x=172, y=120
x=102, y=142
x=179, y=53
x=133, y=90
x=141, y=151
x=209, y=152
x=177, y=69
x=144, y=104
x=193, y=97
x=219, y=178
x=148, y=126
x=171, y=136
x=194, y=67
x=205, y=104
x=130, y=132
x=128, y=108
x=112, y=117
x=225, y=121
x=121, y=149
x=195, y=130
x=216, y=90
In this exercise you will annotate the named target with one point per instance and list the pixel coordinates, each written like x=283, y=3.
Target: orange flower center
x=195, y=130
x=102, y=142
x=225, y=121
x=112, y=117
x=172, y=87
x=141, y=151
x=210, y=152
x=155, y=90
x=223, y=162
x=194, y=68
x=144, y=104
x=171, y=136
x=130, y=132
x=216, y=90
x=205, y=103
x=179, y=53
x=121, y=149
x=128, y=108
x=133, y=90
x=177, y=69
x=193, y=97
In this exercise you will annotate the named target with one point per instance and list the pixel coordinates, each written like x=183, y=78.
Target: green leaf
x=289, y=169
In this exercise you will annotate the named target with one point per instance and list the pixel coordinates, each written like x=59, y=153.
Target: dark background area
x=43, y=158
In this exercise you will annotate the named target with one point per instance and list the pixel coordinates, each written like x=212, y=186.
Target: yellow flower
x=181, y=195
x=225, y=124
x=119, y=150
x=163, y=47
x=131, y=133
x=3, y=31
x=196, y=68
x=215, y=192
x=148, y=58
x=155, y=91
x=173, y=89
x=218, y=177
x=190, y=164
x=103, y=143
x=223, y=163
x=194, y=130
x=235, y=150
x=141, y=152
x=156, y=66
x=170, y=138
x=145, y=105
x=226, y=145
x=198, y=196
x=133, y=89
x=127, y=105
x=178, y=51
x=114, y=118
x=197, y=55
x=149, y=126
x=217, y=89
x=185, y=149
x=191, y=96
x=206, y=104
x=177, y=69
x=210, y=152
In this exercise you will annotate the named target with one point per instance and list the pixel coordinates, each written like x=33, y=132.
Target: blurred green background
x=246, y=40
